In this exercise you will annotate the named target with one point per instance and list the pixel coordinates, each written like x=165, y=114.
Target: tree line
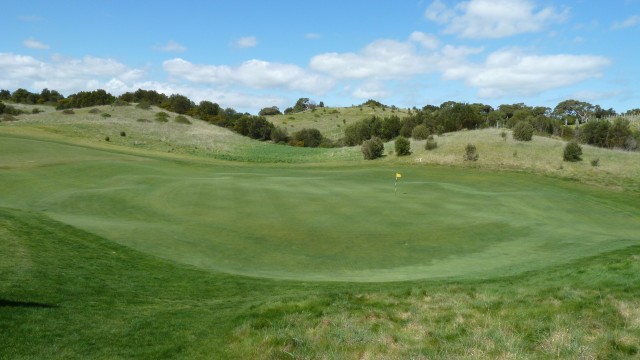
x=569, y=119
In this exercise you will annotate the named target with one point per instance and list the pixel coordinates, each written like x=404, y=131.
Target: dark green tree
x=572, y=152
x=308, y=137
x=402, y=146
x=372, y=148
x=523, y=131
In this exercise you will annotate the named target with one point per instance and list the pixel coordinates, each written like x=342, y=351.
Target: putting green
x=322, y=222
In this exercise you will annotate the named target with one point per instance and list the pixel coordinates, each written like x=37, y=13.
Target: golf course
x=130, y=239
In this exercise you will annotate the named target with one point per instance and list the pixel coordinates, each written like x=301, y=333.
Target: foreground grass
x=69, y=294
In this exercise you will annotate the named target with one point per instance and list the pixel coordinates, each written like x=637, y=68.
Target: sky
x=250, y=54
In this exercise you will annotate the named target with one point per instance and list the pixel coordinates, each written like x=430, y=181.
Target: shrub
x=68, y=111
x=572, y=151
x=279, y=135
x=402, y=146
x=180, y=119
x=162, y=116
x=120, y=102
x=420, y=132
x=503, y=134
x=36, y=111
x=143, y=120
x=122, y=133
x=470, y=153
x=94, y=111
x=9, y=117
x=105, y=115
x=144, y=105
x=523, y=131
x=595, y=162
x=309, y=137
x=372, y=148
x=107, y=139
x=431, y=143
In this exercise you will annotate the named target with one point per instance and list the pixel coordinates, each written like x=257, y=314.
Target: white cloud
x=478, y=19
x=172, y=46
x=509, y=72
x=370, y=90
x=246, y=42
x=391, y=59
x=627, y=23
x=312, y=36
x=35, y=44
x=253, y=73
x=64, y=75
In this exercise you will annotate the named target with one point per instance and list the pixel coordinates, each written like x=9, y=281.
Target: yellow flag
x=398, y=175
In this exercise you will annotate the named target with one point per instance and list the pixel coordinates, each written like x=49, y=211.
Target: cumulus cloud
x=509, y=72
x=253, y=73
x=246, y=42
x=35, y=44
x=627, y=23
x=62, y=74
x=478, y=19
x=391, y=59
x=171, y=46
x=370, y=90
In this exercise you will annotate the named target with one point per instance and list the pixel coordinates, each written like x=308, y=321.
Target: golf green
x=319, y=222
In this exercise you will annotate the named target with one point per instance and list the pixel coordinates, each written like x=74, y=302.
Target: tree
x=574, y=110
x=402, y=146
x=390, y=127
x=523, y=131
x=179, y=104
x=372, y=148
x=420, y=132
x=572, y=151
x=279, y=135
x=268, y=111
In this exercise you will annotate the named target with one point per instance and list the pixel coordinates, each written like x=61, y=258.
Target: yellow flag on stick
x=398, y=176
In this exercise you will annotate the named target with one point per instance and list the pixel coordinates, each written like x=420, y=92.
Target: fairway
x=319, y=222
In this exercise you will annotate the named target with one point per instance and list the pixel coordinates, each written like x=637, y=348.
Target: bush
x=308, y=137
x=595, y=162
x=279, y=135
x=68, y=111
x=372, y=148
x=182, y=120
x=143, y=120
x=122, y=133
x=471, y=153
x=431, y=143
x=120, y=102
x=144, y=105
x=402, y=146
x=105, y=115
x=36, y=111
x=523, y=131
x=94, y=111
x=162, y=116
x=420, y=132
x=572, y=151
x=503, y=134
x=107, y=139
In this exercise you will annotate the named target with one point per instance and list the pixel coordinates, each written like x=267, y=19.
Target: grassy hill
x=332, y=121
x=154, y=245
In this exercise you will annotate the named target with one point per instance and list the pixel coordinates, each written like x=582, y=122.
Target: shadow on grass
x=25, y=304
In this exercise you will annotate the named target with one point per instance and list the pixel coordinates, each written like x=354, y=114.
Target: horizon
x=406, y=54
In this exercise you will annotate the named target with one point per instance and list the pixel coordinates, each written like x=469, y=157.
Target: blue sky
x=252, y=54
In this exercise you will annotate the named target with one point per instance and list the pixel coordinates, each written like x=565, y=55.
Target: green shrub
x=308, y=137
x=120, y=102
x=402, y=146
x=143, y=120
x=572, y=151
x=94, y=111
x=105, y=115
x=420, y=132
x=503, y=134
x=523, y=131
x=36, y=111
x=162, y=116
x=431, y=143
x=122, y=133
x=372, y=148
x=471, y=153
x=279, y=135
x=180, y=119
x=9, y=117
x=144, y=105
x=595, y=162
x=107, y=139
x=68, y=111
